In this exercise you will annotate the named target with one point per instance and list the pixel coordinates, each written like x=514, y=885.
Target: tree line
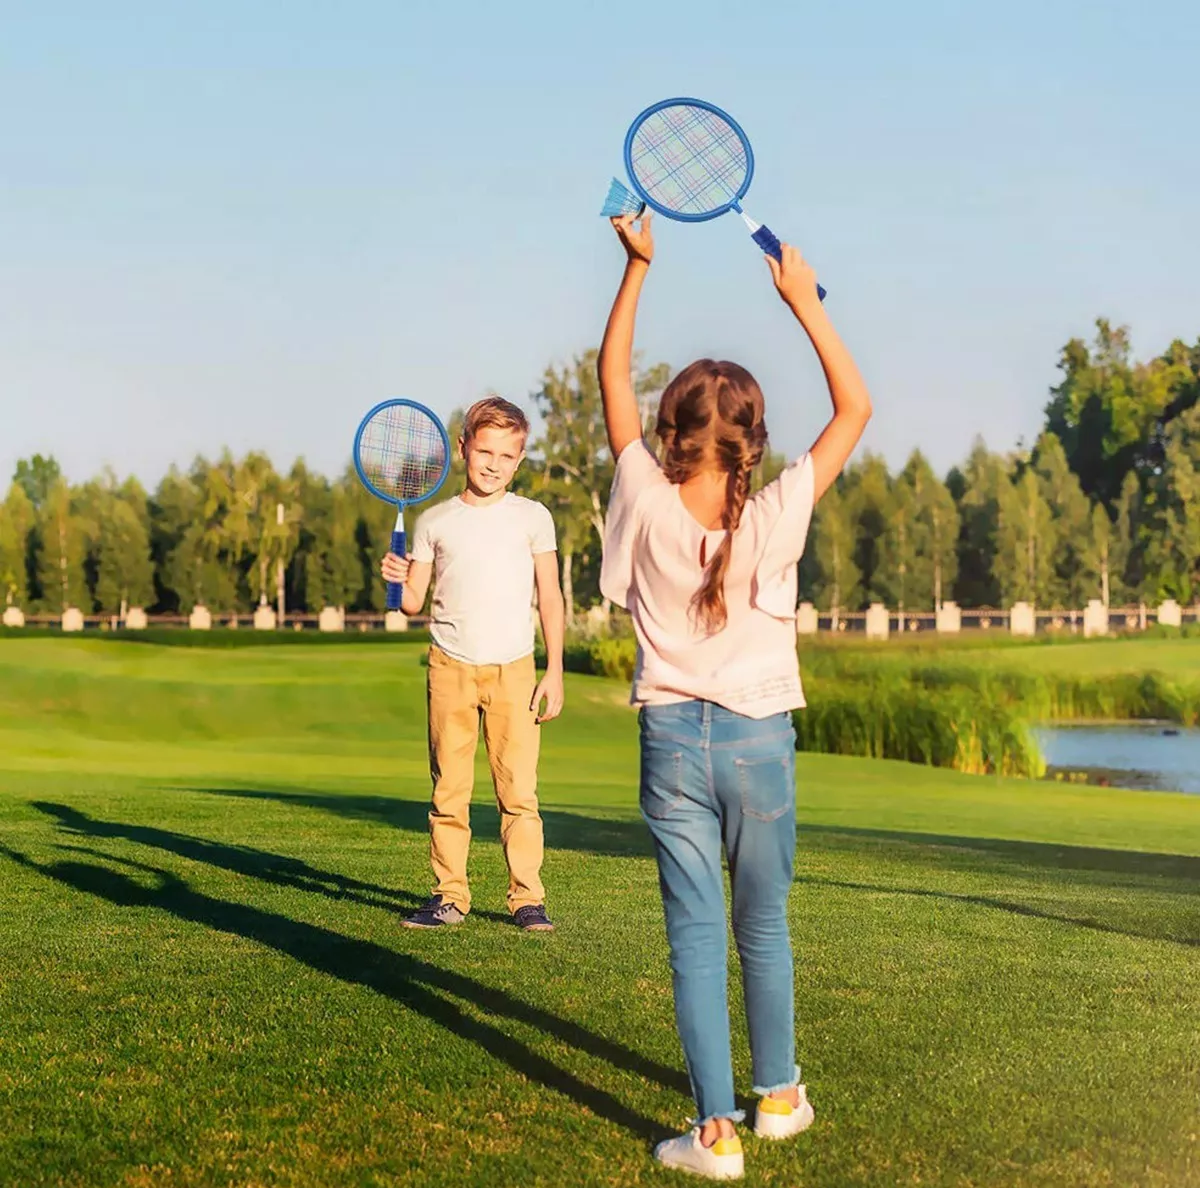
x=1104, y=504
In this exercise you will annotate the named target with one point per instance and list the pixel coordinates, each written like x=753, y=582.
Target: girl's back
x=655, y=557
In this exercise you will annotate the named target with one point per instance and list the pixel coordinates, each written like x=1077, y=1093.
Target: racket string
x=403, y=454
x=681, y=153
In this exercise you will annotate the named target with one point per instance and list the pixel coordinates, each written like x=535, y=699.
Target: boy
x=486, y=548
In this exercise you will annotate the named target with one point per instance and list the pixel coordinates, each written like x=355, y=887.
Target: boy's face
x=492, y=457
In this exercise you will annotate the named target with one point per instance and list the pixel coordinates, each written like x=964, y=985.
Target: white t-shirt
x=483, y=575
x=652, y=567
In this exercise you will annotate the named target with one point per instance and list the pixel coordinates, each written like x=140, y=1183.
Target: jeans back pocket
x=767, y=784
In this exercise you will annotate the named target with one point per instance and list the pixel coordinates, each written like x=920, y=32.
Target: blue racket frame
x=763, y=235
x=732, y=204
x=395, y=590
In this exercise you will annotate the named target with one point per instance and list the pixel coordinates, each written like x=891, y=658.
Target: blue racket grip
x=394, y=589
x=765, y=238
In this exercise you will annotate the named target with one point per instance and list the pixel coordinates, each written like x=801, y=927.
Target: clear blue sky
x=243, y=224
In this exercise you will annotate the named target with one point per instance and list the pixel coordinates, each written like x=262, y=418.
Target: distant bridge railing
x=877, y=622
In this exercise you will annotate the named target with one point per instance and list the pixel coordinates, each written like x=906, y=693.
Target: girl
x=708, y=573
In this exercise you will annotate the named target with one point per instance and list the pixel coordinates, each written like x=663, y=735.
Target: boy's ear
x=462, y=448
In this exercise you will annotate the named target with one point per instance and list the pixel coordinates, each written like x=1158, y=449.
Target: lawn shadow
x=414, y=984
x=246, y=860
x=607, y=837
x=1049, y=855
x=623, y=838
x=1134, y=869
x=280, y=870
x=1003, y=905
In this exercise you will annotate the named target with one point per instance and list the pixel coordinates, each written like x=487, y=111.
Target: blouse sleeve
x=637, y=472
x=786, y=508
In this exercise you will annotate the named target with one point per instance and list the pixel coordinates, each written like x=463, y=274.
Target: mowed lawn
x=204, y=855
x=1177, y=658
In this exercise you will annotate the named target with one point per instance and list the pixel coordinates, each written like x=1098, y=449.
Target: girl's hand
x=638, y=242
x=394, y=569
x=795, y=280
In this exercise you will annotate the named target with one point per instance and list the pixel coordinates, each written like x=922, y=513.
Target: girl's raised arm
x=621, y=416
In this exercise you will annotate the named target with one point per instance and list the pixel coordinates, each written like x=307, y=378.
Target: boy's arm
x=621, y=416
x=797, y=285
x=412, y=598
x=552, y=612
x=414, y=576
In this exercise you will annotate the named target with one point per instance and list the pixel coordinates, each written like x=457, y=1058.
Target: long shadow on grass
x=242, y=860
x=1003, y=905
x=1028, y=853
x=606, y=837
x=629, y=838
x=408, y=981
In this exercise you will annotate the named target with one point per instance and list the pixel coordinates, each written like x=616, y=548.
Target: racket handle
x=765, y=238
x=394, y=589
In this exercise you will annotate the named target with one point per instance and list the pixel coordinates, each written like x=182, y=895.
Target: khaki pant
x=459, y=696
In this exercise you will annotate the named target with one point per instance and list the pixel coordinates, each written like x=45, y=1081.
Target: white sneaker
x=722, y=1161
x=778, y=1119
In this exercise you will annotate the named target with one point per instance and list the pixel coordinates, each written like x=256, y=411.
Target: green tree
x=1026, y=543
x=868, y=494
x=1125, y=568
x=895, y=578
x=920, y=542
x=333, y=568
x=1110, y=412
x=125, y=574
x=979, y=488
x=37, y=476
x=1180, y=480
x=200, y=568
x=172, y=510
x=17, y=517
x=1097, y=555
x=829, y=571
x=64, y=538
x=1073, y=582
x=939, y=513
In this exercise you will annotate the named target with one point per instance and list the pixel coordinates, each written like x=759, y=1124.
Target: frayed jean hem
x=779, y=1088
x=731, y=1115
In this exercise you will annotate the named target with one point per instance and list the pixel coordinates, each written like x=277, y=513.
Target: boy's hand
x=550, y=689
x=394, y=569
x=796, y=280
x=638, y=242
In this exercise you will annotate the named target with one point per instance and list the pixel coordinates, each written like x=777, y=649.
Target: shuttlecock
x=621, y=201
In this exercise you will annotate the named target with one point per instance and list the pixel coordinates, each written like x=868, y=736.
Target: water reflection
x=1126, y=756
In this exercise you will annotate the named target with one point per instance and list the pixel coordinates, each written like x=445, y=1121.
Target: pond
x=1130, y=755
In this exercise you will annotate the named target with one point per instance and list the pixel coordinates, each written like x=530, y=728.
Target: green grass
x=1173, y=655
x=202, y=980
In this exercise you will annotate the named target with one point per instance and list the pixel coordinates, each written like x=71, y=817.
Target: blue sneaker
x=532, y=918
x=437, y=913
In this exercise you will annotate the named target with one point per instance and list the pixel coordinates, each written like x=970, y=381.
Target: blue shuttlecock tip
x=621, y=201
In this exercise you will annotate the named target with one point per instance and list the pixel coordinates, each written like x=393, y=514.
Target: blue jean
x=711, y=777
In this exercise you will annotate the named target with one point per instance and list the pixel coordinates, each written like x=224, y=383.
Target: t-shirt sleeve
x=541, y=537
x=637, y=471
x=785, y=510
x=421, y=547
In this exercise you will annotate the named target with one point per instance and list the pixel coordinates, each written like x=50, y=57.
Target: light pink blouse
x=651, y=566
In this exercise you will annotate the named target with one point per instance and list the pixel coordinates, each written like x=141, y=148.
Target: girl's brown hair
x=711, y=416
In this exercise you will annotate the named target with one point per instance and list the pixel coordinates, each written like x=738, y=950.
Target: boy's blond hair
x=494, y=412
